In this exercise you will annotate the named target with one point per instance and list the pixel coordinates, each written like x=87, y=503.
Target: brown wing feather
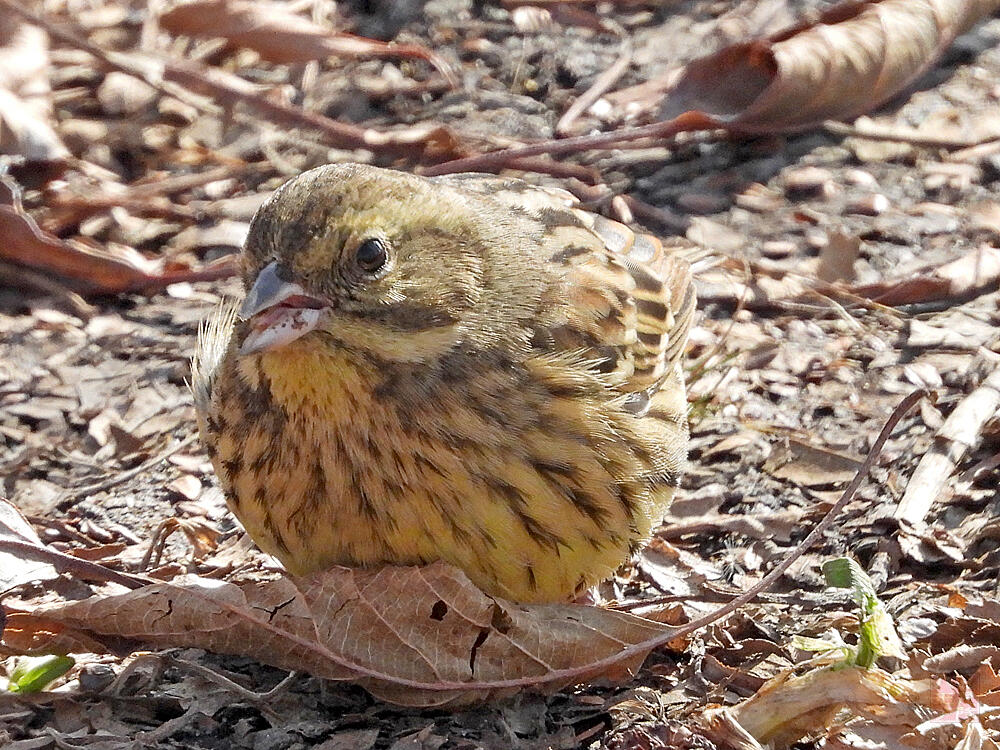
x=633, y=300
x=630, y=299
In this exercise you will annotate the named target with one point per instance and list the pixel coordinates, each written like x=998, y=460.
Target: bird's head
x=377, y=261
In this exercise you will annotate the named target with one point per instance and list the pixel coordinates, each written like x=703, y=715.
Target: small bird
x=464, y=368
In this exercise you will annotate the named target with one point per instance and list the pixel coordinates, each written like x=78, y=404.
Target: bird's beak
x=278, y=312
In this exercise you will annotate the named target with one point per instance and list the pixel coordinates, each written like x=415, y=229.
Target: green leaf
x=877, y=636
x=33, y=673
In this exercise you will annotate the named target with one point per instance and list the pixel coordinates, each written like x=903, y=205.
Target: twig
x=251, y=696
x=495, y=160
x=958, y=435
x=69, y=564
x=813, y=536
x=903, y=136
x=603, y=82
x=119, y=684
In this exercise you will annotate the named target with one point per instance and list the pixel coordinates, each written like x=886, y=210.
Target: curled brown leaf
x=88, y=269
x=856, y=56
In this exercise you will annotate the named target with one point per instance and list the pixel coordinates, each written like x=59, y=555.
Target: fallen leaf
x=412, y=636
x=90, y=269
x=974, y=272
x=836, y=259
x=854, y=57
x=15, y=569
x=280, y=36
x=26, y=114
x=788, y=707
x=810, y=465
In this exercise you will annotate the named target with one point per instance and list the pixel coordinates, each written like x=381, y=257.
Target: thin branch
x=906, y=135
x=69, y=564
x=813, y=536
x=603, y=82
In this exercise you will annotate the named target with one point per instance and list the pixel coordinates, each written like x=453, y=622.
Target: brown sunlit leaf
x=836, y=259
x=14, y=569
x=27, y=633
x=856, y=56
x=90, y=269
x=810, y=465
x=25, y=98
x=973, y=272
x=280, y=36
x=415, y=636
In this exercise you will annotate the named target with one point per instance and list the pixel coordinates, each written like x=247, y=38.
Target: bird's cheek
x=278, y=327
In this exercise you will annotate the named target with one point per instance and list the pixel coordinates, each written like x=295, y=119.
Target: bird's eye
x=372, y=255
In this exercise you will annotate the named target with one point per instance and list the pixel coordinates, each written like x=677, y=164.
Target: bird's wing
x=631, y=298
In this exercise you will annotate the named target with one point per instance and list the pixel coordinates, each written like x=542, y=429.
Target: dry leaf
x=414, y=636
x=85, y=268
x=836, y=259
x=280, y=36
x=959, y=433
x=854, y=58
x=972, y=273
x=810, y=465
x=787, y=708
x=25, y=98
x=15, y=569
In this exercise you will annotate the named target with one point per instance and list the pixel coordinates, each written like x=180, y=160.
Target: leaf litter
x=800, y=364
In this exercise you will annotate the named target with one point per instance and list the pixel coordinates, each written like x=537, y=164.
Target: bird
x=467, y=368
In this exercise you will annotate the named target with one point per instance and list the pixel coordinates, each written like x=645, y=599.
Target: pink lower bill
x=278, y=326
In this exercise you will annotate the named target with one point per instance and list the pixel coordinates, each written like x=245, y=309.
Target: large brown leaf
x=971, y=274
x=414, y=636
x=855, y=57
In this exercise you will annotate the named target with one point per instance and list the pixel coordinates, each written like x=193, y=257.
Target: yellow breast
x=533, y=493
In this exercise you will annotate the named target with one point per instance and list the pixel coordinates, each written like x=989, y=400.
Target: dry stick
x=898, y=413
x=911, y=137
x=69, y=564
x=959, y=434
x=689, y=121
x=818, y=530
x=497, y=159
x=221, y=680
x=604, y=81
